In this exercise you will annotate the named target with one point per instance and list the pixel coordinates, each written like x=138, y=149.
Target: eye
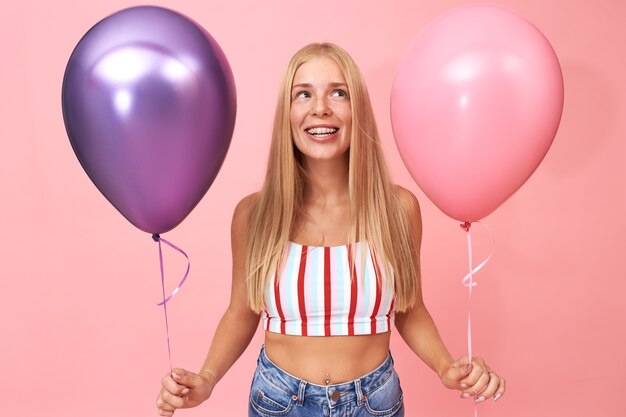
x=339, y=93
x=302, y=94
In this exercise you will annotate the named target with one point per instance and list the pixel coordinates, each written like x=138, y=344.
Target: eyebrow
x=308, y=85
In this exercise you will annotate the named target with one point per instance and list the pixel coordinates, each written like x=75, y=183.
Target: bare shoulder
x=408, y=201
x=241, y=215
x=411, y=208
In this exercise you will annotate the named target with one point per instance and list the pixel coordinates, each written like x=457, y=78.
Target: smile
x=321, y=132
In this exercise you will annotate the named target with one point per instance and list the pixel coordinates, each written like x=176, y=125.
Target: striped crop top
x=315, y=295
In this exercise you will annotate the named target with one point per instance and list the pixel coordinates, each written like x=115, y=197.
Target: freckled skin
x=320, y=98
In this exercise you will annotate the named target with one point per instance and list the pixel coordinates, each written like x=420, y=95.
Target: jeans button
x=335, y=395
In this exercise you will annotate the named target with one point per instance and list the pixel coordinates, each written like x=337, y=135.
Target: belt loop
x=359, y=393
x=301, y=389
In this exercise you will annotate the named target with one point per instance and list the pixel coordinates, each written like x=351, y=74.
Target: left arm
x=418, y=330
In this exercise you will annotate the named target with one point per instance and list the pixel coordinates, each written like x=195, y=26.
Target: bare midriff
x=328, y=359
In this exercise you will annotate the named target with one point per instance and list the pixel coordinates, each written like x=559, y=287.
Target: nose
x=320, y=107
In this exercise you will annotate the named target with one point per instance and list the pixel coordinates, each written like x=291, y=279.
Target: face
x=321, y=117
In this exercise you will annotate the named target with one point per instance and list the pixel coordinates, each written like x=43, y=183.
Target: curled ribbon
x=468, y=281
x=159, y=239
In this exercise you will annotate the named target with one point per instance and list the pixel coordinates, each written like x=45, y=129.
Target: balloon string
x=468, y=281
x=158, y=239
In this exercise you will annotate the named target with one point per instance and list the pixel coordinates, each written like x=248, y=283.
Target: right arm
x=184, y=389
x=228, y=344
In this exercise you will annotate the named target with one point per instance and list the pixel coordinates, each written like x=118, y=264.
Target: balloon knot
x=466, y=226
x=156, y=237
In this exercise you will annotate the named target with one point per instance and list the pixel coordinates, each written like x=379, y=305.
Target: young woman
x=327, y=255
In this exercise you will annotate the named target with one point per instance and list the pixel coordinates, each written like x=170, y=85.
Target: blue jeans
x=274, y=392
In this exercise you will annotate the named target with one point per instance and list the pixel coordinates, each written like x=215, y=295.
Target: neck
x=327, y=181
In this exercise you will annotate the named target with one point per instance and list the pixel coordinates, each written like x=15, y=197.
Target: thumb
x=186, y=378
x=458, y=371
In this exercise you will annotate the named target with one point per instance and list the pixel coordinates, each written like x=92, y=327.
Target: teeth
x=321, y=130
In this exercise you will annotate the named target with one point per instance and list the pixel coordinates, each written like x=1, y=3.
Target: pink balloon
x=475, y=105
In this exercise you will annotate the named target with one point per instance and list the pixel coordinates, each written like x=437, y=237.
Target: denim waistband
x=351, y=391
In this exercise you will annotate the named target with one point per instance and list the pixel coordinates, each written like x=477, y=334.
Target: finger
x=472, y=378
x=165, y=413
x=500, y=391
x=479, y=363
x=170, y=385
x=173, y=400
x=186, y=378
x=477, y=387
x=490, y=389
x=164, y=406
x=458, y=373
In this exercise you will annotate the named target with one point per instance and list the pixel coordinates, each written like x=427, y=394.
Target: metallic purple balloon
x=149, y=105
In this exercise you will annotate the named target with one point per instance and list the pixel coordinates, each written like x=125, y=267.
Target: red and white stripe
x=322, y=291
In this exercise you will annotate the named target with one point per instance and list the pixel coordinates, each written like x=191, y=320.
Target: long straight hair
x=376, y=215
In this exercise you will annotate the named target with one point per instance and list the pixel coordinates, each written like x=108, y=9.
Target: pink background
x=80, y=332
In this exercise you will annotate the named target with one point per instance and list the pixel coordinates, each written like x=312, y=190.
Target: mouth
x=321, y=132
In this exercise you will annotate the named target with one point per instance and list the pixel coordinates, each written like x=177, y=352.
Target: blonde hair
x=375, y=212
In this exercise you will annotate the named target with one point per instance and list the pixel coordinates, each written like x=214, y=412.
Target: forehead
x=319, y=69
